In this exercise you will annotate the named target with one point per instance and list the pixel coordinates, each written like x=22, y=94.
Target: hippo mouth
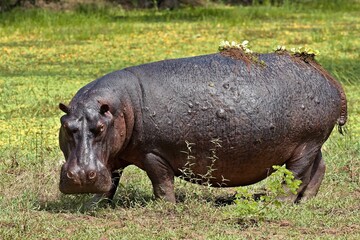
x=100, y=184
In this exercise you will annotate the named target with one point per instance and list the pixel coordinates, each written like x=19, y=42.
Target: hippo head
x=88, y=138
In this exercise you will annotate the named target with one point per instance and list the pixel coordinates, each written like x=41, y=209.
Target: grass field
x=45, y=57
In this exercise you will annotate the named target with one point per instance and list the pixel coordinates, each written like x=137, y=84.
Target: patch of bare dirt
x=238, y=54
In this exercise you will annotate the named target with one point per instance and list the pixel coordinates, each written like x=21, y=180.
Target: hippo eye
x=65, y=126
x=69, y=129
x=99, y=129
x=74, y=130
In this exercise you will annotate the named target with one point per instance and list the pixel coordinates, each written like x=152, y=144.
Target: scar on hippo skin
x=263, y=117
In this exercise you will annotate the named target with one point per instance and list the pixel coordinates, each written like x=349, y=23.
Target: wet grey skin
x=279, y=112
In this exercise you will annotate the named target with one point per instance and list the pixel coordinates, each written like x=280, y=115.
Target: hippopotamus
x=184, y=117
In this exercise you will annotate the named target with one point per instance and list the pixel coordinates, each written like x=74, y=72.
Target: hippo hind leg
x=308, y=166
x=161, y=175
x=317, y=175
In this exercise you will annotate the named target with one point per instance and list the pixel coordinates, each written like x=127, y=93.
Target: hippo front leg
x=161, y=175
x=108, y=196
x=115, y=177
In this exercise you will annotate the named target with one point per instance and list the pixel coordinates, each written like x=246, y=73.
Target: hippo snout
x=84, y=179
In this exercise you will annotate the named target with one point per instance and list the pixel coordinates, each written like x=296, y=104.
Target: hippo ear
x=104, y=108
x=64, y=108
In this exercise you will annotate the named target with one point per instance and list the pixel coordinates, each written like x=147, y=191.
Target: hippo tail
x=343, y=112
x=341, y=121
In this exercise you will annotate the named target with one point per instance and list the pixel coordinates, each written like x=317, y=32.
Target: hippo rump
x=188, y=115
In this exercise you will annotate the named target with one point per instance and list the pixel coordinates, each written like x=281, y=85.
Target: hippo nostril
x=91, y=175
x=70, y=175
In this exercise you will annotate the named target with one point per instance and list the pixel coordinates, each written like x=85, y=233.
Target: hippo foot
x=97, y=201
x=105, y=199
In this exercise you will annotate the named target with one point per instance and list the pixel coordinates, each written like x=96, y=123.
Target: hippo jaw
x=93, y=181
x=85, y=145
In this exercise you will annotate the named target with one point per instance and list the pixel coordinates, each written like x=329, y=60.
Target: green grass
x=45, y=57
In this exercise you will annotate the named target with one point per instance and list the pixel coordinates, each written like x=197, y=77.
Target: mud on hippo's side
x=278, y=113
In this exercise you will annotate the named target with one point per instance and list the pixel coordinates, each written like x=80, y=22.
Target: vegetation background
x=126, y=4
x=47, y=54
